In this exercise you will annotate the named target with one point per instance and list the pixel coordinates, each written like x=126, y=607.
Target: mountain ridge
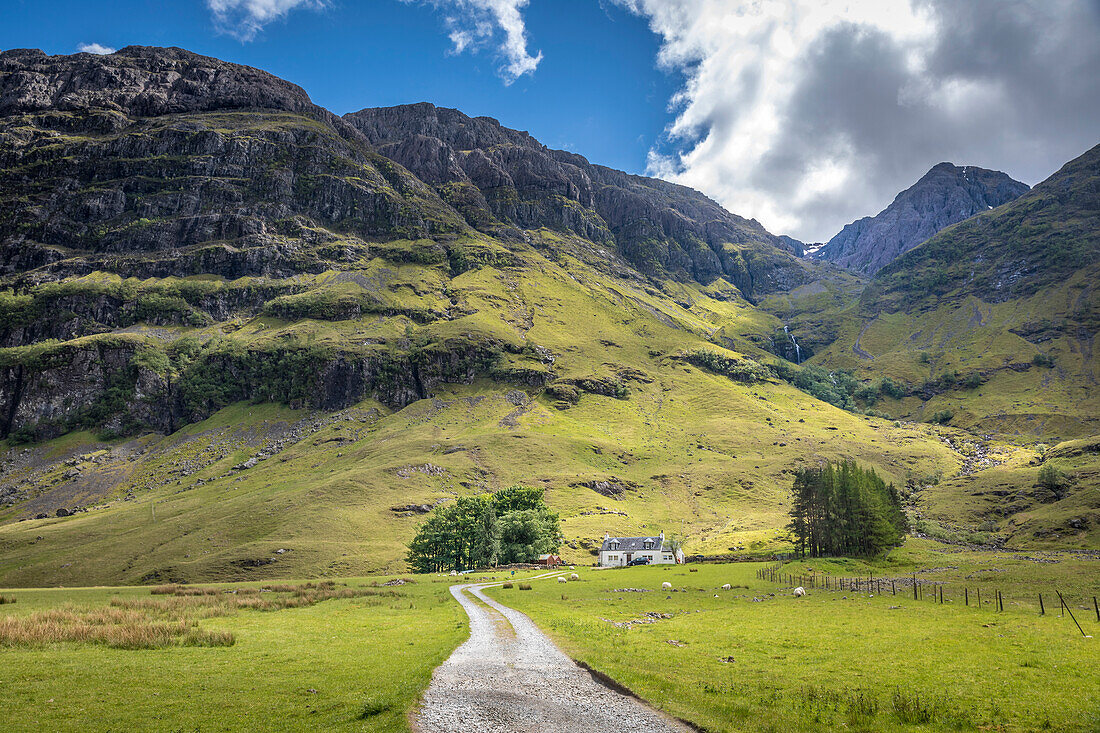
x=658, y=226
x=289, y=343
x=943, y=196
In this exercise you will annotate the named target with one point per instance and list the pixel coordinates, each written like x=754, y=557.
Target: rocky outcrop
x=505, y=179
x=140, y=81
x=1042, y=238
x=946, y=195
x=152, y=201
x=219, y=166
x=106, y=383
x=80, y=385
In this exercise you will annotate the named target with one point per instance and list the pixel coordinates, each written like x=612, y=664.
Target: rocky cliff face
x=945, y=195
x=1039, y=239
x=504, y=180
x=191, y=163
x=178, y=233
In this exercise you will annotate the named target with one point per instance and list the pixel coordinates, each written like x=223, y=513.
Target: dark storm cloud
x=865, y=107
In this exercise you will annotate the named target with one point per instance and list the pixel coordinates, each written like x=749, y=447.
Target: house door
x=628, y=556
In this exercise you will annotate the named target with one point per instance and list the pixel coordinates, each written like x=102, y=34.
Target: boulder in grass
x=799, y=592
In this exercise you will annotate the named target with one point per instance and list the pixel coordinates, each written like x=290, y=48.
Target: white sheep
x=799, y=592
x=561, y=579
x=574, y=576
x=727, y=586
x=666, y=586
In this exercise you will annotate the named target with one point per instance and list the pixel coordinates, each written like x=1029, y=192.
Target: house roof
x=631, y=544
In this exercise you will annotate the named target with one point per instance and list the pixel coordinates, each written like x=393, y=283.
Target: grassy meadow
x=754, y=658
x=356, y=661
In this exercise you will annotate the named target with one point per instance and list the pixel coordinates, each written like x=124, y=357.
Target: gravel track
x=509, y=678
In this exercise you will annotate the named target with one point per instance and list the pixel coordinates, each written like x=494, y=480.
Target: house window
x=668, y=557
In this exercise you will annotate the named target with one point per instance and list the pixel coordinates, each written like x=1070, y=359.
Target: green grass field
x=752, y=658
x=755, y=658
x=350, y=664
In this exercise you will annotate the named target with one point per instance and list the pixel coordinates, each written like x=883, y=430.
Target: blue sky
x=803, y=114
x=598, y=92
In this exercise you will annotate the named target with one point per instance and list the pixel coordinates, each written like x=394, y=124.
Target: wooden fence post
x=1096, y=608
x=979, y=597
x=1066, y=606
x=1042, y=610
x=966, y=595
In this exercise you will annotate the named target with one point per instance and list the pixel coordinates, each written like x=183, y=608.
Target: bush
x=836, y=387
x=740, y=370
x=525, y=586
x=941, y=417
x=1051, y=478
x=893, y=389
x=973, y=380
x=506, y=585
x=1043, y=360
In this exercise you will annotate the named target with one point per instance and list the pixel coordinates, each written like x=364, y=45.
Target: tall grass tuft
x=118, y=628
x=170, y=618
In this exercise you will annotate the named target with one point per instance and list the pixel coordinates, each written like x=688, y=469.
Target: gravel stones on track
x=509, y=677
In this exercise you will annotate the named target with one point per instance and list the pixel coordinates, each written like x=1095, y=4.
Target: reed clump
x=118, y=628
x=169, y=618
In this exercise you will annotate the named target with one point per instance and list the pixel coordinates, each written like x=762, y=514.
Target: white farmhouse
x=619, y=551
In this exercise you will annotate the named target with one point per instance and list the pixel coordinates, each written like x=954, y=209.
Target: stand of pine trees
x=843, y=509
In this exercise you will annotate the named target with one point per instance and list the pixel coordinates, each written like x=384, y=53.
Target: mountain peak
x=141, y=81
x=945, y=195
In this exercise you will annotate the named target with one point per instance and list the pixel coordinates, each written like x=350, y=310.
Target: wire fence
x=922, y=589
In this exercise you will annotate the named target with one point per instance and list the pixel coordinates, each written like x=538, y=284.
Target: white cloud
x=475, y=24
x=96, y=48
x=806, y=114
x=245, y=18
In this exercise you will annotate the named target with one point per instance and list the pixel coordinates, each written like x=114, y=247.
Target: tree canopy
x=843, y=509
x=511, y=525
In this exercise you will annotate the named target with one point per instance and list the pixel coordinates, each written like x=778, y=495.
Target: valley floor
x=749, y=658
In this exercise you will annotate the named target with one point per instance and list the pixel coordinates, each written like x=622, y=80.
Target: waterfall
x=794, y=342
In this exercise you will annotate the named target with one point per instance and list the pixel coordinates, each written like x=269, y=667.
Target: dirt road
x=509, y=677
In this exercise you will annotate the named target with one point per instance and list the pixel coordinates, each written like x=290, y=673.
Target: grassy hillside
x=990, y=324
x=237, y=341
x=628, y=436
